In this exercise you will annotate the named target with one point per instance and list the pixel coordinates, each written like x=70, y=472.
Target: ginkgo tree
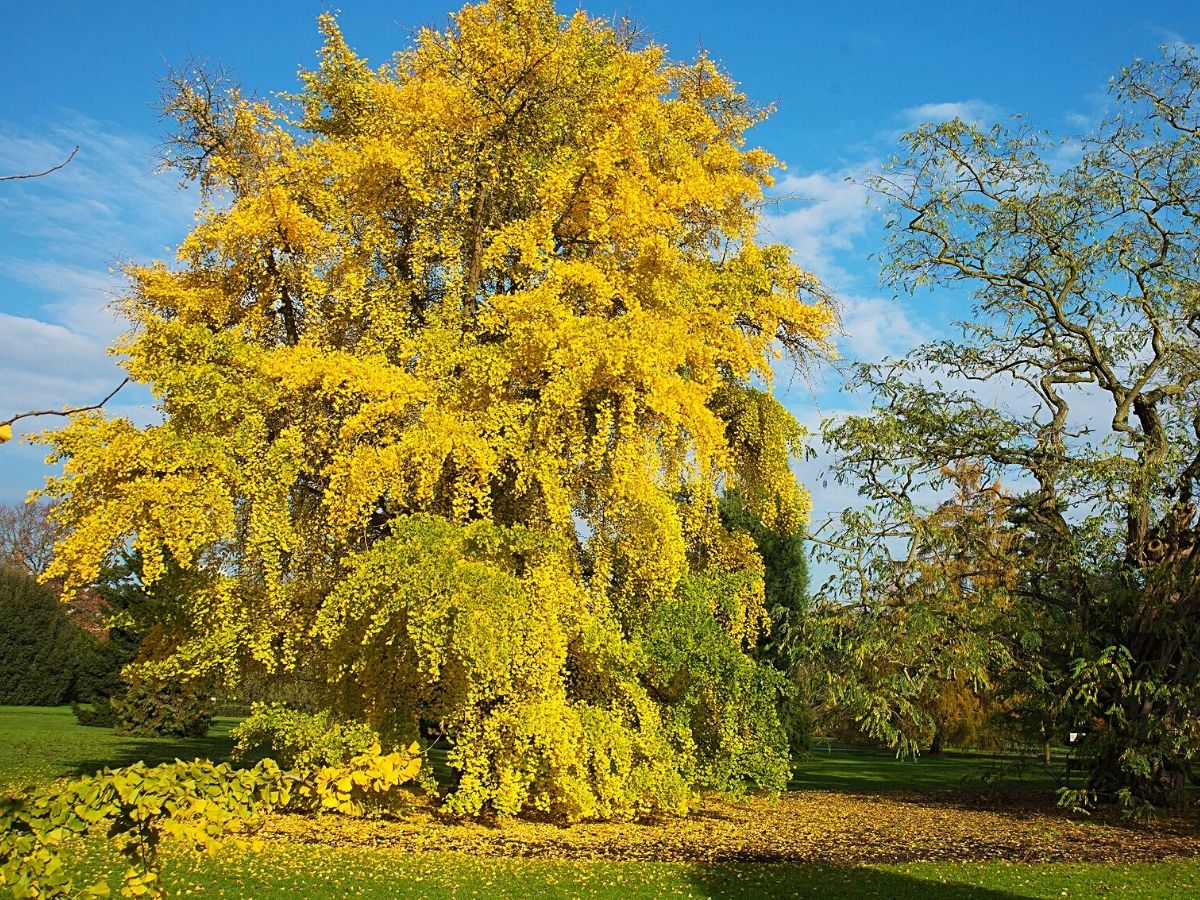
x=454, y=368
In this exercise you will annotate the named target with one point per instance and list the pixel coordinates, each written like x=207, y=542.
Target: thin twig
x=40, y=174
x=66, y=412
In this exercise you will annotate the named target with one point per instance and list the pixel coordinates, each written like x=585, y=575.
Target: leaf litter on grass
x=805, y=826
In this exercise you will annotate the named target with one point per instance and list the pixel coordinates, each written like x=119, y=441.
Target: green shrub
x=98, y=714
x=163, y=708
x=198, y=803
x=301, y=740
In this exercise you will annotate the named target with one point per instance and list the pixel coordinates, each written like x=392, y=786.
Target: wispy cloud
x=823, y=216
x=878, y=327
x=974, y=112
x=61, y=236
x=1168, y=37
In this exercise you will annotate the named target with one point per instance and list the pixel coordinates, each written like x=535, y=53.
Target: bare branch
x=40, y=174
x=65, y=412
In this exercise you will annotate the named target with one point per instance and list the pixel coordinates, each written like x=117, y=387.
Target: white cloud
x=41, y=361
x=1169, y=38
x=60, y=237
x=876, y=327
x=75, y=294
x=974, y=112
x=822, y=216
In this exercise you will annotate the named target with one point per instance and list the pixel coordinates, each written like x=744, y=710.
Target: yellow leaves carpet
x=799, y=826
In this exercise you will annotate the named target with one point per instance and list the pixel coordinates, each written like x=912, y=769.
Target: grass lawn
x=39, y=745
x=300, y=871
x=871, y=771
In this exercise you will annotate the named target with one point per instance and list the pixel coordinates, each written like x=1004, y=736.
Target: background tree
x=923, y=651
x=785, y=590
x=53, y=650
x=1086, y=320
x=27, y=536
x=143, y=623
x=453, y=370
x=42, y=652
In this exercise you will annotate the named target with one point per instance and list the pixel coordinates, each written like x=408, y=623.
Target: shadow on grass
x=779, y=880
x=120, y=751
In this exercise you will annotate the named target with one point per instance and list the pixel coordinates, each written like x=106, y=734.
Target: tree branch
x=40, y=174
x=63, y=412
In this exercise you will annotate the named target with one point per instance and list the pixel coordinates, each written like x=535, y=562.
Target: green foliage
x=785, y=642
x=136, y=808
x=197, y=804
x=97, y=714
x=785, y=577
x=299, y=739
x=131, y=614
x=163, y=707
x=41, y=650
x=1084, y=307
x=143, y=622
x=720, y=698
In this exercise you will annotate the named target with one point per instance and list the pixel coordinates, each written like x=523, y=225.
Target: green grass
x=39, y=745
x=321, y=872
x=872, y=772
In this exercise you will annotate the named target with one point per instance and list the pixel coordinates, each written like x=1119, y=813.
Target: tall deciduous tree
x=1084, y=259
x=27, y=536
x=453, y=369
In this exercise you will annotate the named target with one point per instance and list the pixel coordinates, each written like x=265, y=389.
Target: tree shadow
x=846, y=882
x=154, y=751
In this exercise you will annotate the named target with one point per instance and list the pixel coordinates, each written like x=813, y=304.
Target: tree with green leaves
x=1084, y=262
x=145, y=623
x=782, y=644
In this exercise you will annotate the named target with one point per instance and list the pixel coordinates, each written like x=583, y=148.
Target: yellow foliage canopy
x=507, y=283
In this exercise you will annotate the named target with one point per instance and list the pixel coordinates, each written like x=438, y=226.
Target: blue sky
x=847, y=77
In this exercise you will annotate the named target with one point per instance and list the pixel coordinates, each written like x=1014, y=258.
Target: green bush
x=199, y=804
x=163, y=708
x=301, y=740
x=40, y=648
x=135, y=807
x=98, y=714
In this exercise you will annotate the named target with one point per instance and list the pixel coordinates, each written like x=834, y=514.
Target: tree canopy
x=1084, y=266
x=453, y=368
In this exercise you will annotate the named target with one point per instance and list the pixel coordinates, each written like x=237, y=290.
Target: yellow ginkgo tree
x=453, y=369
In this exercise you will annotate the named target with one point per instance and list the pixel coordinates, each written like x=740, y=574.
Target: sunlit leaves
x=454, y=365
